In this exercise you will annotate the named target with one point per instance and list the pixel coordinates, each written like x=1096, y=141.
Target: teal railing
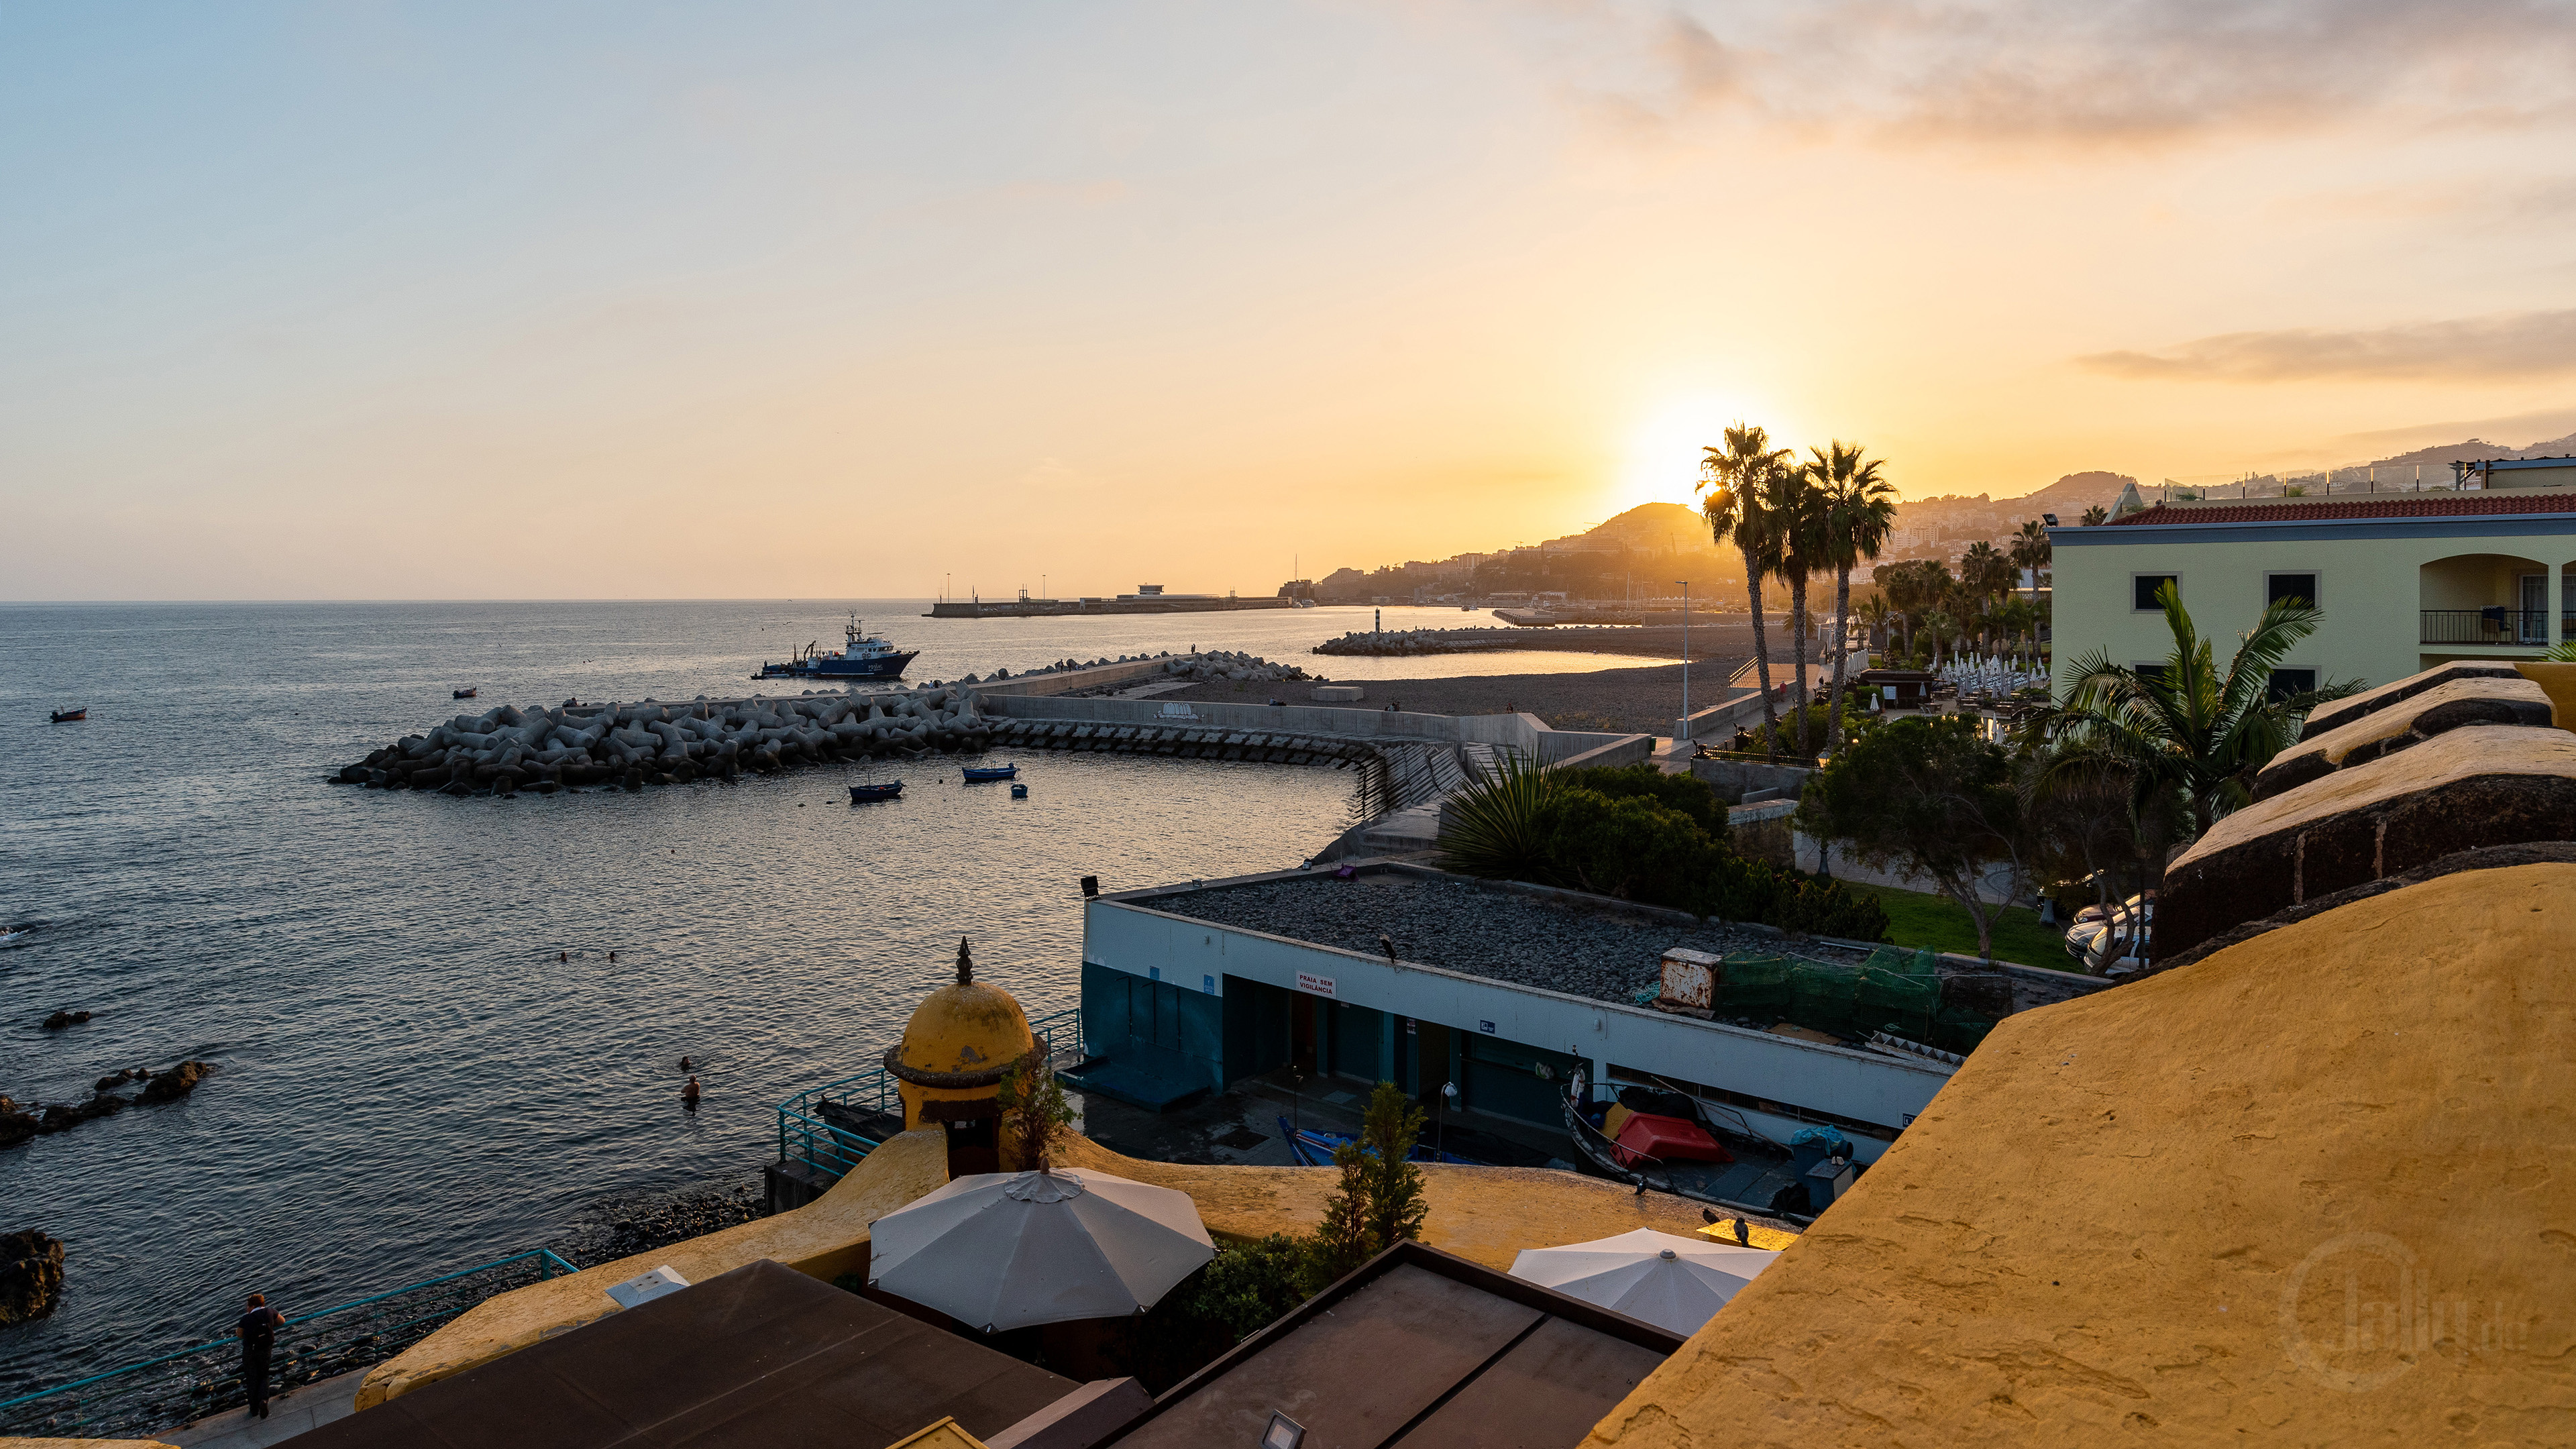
x=807, y=1135
x=178, y=1388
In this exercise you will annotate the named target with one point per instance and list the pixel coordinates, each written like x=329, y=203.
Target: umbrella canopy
x=1670, y=1282
x=1006, y=1250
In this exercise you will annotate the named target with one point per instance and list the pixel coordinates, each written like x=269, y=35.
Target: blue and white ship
x=863, y=656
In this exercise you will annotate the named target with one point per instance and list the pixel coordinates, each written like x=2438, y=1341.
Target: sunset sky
x=759, y=300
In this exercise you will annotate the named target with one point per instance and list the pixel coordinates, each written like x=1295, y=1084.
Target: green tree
x=2030, y=549
x=1247, y=1287
x=1796, y=501
x=1684, y=793
x=1985, y=574
x=2187, y=726
x=1929, y=795
x=1380, y=1198
x=1035, y=1116
x=1874, y=614
x=1736, y=479
x=1859, y=513
x=2096, y=514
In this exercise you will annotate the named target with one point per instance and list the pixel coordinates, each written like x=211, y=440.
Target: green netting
x=1822, y=996
x=1957, y=1030
x=1901, y=962
x=1752, y=985
x=1895, y=1001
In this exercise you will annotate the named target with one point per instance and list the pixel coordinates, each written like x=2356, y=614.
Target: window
x=2147, y=584
x=2287, y=682
x=2302, y=587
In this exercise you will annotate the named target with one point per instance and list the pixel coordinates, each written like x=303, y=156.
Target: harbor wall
x=1522, y=732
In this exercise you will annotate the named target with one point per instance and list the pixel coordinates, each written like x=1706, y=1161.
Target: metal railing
x=2491, y=625
x=178, y=1388
x=805, y=1133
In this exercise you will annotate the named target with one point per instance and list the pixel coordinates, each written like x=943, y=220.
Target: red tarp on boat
x=1667, y=1139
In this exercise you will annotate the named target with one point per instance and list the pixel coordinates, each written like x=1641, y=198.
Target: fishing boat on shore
x=1314, y=1148
x=1665, y=1140
x=862, y=794
x=976, y=774
x=861, y=656
x=71, y=716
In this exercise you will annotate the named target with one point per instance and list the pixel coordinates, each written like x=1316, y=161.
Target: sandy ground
x=1633, y=700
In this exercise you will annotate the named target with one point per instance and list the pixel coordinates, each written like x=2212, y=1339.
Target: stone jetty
x=509, y=749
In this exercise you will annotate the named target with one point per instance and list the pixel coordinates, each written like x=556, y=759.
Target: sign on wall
x=1313, y=984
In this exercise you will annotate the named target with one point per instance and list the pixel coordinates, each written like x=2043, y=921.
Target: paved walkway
x=289, y=1414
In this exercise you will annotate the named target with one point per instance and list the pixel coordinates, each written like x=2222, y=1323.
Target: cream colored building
x=2406, y=580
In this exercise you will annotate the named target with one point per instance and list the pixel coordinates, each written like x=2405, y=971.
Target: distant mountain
x=2475, y=449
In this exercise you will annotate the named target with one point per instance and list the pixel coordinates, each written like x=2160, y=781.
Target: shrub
x=1794, y=901
x=1633, y=849
x=1685, y=793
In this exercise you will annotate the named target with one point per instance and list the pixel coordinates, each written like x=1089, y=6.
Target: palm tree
x=1874, y=614
x=1984, y=573
x=2095, y=515
x=1796, y=504
x=1859, y=512
x=2030, y=550
x=2188, y=728
x=1940, y=626
x=1736, y=477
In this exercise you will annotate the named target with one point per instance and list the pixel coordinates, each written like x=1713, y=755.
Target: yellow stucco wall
x=2314, y=1189
x=2373, y=585
x=1485, y=1213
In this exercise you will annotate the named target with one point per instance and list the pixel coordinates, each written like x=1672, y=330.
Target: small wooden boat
x=861, y=794
x=1759, y=1176
x=1019, y=791
x=976, y=773
x=461, y=694
x=1315, y=1148
x=71, y=716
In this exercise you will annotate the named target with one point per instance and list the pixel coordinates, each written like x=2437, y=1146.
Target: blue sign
x=1208, y=985
x=1486, y=1027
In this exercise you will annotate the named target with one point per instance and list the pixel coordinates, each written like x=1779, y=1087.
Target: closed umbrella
x=1670, y=1282
x=1006, y=1250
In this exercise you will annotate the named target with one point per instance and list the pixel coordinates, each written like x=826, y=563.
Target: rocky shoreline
x=623, y=1227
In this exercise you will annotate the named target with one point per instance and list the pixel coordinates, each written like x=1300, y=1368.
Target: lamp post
x=1685, y=583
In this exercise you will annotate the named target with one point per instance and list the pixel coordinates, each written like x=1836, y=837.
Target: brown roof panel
x=760, y=1356
x=1545, y=1394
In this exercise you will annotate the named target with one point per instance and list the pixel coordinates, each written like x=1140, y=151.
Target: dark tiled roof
x=2299, y=510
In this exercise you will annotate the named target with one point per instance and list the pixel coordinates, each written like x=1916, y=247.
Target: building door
x=2533, y=627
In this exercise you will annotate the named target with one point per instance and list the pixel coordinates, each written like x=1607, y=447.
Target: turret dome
x=960, y=1041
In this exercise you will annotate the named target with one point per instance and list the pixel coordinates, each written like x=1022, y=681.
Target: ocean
x=409, y=1080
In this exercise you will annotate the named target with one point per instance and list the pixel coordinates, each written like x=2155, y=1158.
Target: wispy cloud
x=2110, y=72
x=2505, y=345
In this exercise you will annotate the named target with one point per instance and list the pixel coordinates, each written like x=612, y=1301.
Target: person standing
x=258, y=1334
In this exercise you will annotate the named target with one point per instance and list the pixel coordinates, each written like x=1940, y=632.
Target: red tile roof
x=2300, y=510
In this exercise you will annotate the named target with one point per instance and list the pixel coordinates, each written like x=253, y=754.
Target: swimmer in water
x=689, y=1093
x=612, y=956
x=563, y=955
x=684, y=1065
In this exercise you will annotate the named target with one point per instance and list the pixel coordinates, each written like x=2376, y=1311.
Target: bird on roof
x=1386, y=943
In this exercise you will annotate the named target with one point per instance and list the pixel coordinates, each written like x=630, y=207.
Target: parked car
x=2106, y=950
x=2137, y=907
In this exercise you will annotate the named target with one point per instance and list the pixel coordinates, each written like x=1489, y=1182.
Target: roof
x=2474, y=503
x=1603, y=949
x=2187, y=1211
x=759, y=1356
x=1421, y=1350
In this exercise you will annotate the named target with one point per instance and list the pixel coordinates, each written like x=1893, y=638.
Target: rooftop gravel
x=1603, y=953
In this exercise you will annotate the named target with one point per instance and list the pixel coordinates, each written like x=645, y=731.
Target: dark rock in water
x=31, y=1275
x=16, y=1123
x=177, y=1082
x=114, y=1080
x=634, y=778
x=62, y=1019
x=352, y=774
x=62, y=1116
x=455, y=787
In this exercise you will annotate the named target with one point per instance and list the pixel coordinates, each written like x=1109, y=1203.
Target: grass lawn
x=1917, y=919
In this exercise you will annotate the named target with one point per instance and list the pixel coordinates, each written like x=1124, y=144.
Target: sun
x=1661, y=461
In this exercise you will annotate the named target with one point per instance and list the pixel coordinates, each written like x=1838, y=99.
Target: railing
x=177, y=1388
x=806, y=1135
x=2491, y=625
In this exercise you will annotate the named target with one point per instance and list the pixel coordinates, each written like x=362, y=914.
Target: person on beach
x=257, y=1331
x=689, y=1093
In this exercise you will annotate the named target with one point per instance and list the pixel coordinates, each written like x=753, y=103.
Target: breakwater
x=572, y=745
x=1729, y=635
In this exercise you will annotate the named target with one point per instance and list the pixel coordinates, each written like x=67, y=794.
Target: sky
x=456, y=300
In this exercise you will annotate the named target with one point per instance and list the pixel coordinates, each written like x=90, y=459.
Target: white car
x=2139, y=906
x=2108, y=951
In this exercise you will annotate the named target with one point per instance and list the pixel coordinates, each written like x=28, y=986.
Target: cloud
x=2094, y=72
x=2502, y=346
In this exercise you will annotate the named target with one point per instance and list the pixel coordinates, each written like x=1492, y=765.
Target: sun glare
x=1662, y=462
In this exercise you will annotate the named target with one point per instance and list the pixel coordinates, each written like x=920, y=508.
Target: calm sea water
x=411, y=1082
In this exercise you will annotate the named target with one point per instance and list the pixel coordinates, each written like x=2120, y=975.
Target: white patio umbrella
x=1006, y=1250
x=1670, y=1282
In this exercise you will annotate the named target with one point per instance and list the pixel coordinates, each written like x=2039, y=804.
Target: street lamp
x=1685, y=583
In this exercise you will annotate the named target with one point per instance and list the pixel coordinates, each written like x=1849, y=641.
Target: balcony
x=2490, y=627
